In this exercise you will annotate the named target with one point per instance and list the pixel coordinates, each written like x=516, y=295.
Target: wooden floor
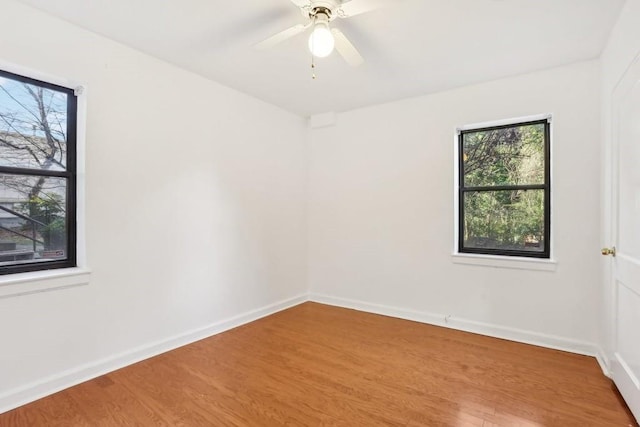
x=318, y=365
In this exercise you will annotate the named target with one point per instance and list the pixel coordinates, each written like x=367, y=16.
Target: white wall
x=621, y=51
x=195, y=200
x=381, y=210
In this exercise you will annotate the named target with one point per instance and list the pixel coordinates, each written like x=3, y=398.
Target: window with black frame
x=37, y=175
x=504, y=192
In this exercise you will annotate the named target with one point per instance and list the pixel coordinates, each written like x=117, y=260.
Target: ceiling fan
x=324, y=39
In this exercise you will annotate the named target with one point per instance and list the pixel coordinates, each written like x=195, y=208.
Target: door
x=625, y=230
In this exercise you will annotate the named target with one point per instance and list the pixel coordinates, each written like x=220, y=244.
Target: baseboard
x=603, y=361
x=497, y=331
x=39, y=389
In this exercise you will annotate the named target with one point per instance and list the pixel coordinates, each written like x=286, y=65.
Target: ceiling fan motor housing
x=329, y=8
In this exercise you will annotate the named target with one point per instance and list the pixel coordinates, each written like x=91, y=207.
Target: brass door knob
x=609, y=251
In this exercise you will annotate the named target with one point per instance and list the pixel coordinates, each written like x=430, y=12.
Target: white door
x=625, y=217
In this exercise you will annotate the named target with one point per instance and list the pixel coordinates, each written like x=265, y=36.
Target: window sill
x=496, y=261
x=42, y=281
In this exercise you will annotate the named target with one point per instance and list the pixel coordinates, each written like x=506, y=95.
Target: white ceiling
x=413, y=48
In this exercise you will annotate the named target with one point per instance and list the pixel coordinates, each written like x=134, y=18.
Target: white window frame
x=18, y=284
x=501, y=261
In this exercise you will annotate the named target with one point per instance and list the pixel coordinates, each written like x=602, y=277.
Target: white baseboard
x=603, y=361
x=52, y=384
x=39, y=389
x=497, y=331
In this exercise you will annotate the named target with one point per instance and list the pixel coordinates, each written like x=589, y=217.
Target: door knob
x=609, y=251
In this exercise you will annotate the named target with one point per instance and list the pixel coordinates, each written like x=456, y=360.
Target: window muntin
x=504, y=190
x=37, y=175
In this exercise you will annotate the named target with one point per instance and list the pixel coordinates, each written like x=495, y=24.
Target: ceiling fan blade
x=281, y=36
x=357, y=7
x=300, y=3
x=346, y=49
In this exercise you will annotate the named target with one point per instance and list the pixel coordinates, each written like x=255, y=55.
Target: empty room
x=320, y=212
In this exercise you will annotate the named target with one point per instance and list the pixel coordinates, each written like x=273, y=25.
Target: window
x=37, y=175
x=504, y=190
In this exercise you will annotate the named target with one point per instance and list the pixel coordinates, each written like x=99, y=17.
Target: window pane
x=505, y=220
x=33, y=126
x=510, y=156
x=32, y=219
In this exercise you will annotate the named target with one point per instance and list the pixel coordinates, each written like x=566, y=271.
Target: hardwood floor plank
x=316, y=365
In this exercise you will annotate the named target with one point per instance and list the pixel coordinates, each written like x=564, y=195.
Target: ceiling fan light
x=321, y=41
